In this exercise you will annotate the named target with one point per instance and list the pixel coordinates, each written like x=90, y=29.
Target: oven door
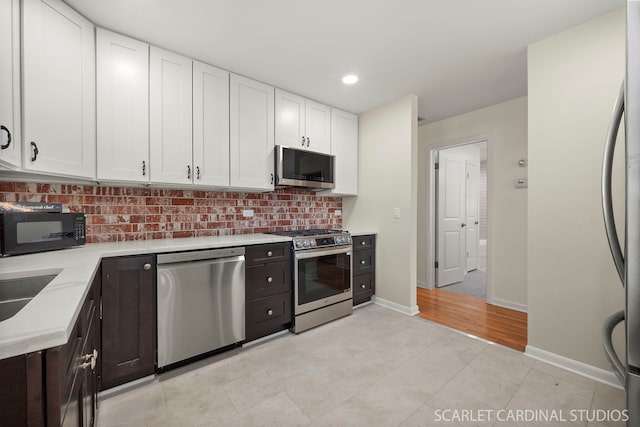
x=322, y=277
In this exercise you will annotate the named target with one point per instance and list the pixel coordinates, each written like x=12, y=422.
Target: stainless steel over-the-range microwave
x=29, y=232
x=304, y=168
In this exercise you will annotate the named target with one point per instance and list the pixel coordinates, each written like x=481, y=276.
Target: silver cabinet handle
x=90, y=360
x=363, y=262
x=607, y=198
x=269, y=312
x=269, y=279
x=269, y=253
x=147, y=266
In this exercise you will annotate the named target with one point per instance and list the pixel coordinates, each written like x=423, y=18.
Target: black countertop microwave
x=29, y=232
x=304, y=168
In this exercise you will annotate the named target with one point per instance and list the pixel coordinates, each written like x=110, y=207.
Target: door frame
x=431, y=208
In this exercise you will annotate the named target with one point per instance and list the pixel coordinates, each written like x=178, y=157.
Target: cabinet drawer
x=268, y=279
x=361, y=243
x=364, y=284
x=363, y=262
x=265, y=316
x=261, y=254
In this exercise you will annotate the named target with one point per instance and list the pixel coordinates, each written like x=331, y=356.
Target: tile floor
x=374, y=368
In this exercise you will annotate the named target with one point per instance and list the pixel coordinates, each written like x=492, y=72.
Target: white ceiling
x=456, y=55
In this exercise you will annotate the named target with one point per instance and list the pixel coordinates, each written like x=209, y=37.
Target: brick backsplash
x=123, y=213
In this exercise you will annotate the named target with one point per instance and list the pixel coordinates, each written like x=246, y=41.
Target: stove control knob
x=299, y=244
x=348, y=239
x=312, y=243
x=339, y=240
x=306, y=243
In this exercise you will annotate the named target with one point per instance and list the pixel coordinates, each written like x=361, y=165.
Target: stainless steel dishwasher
x=200, y=302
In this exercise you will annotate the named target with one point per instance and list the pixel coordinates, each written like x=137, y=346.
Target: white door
x=122, y=107
x=10, y=146
x=210, y=125
x=473, y=206
x=59, y=90
x=451, y=213
x=251, y=134
x=318, y=127
x=344, y=146
x=170, y=114
x=290, y=119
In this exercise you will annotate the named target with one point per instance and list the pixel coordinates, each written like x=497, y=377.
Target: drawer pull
x=269, y=312
x=269, y=279
x=363, y=286
x=147, y=266
x=90, y=360
x=363, y=262
x=269, y=253
x=363, y=243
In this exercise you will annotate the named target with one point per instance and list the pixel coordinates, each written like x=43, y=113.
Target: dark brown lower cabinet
x=267, y=289
x=364, y=268
x=21, y=390
x=128, y=319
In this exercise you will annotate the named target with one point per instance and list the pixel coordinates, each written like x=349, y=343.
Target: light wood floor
x=474, y=316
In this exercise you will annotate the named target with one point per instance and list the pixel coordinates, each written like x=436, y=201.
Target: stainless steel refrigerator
x=627, y=256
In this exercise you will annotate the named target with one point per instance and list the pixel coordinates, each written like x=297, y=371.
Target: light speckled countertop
x=47, y=320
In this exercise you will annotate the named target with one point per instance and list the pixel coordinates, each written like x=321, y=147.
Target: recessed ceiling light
x=350, y=79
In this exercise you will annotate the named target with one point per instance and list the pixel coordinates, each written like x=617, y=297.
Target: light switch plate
x=396, y=213
x=337, y=212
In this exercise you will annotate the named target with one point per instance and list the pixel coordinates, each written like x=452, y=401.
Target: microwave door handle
x=607, y=199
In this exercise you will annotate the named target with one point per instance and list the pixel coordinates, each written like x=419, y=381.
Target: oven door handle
x=315, y=254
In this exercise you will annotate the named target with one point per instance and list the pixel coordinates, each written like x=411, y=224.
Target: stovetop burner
x=310, y=232
x=318, y=238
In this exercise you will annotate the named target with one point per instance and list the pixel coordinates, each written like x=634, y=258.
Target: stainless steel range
x=322, y=271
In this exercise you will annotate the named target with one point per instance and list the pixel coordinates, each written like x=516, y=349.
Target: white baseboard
x=423, y=285
x=571, y=365
x=409, y=311
x=509, y=304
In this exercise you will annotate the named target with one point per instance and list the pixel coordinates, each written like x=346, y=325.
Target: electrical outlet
x=337, y=212
x=396, y=213
x=247, y=213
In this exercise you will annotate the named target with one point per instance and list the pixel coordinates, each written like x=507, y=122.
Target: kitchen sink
x=16, y=293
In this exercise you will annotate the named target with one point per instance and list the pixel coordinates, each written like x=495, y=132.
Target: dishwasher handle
x=207, y=254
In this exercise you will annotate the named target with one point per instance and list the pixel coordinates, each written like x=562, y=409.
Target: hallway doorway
x=461, y=219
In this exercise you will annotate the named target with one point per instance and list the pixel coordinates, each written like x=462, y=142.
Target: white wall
x=387, y=170
x=505, y=127
x=574, y=78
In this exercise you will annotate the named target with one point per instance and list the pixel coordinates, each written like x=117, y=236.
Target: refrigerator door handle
x=607, y=201
x=607, y=335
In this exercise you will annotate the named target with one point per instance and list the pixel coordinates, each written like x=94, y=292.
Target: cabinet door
x=123, y=107
x=170, y=124
x=10, y=147
x=251, y=134
x=290, y=115
x=59, y=90
x=210, y=125
x=318, y=127
x=344, y=146
x=128, y=319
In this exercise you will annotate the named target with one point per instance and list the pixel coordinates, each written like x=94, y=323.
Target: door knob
x=363, y=262
x=269, y=253
x=269, y=279
x=269, y=312
x=147, y=266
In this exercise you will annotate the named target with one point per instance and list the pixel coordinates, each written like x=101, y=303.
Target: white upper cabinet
x=344, y=145
x=318, y=127
x=59, y=90
x=301, y=123
x=210, y=125
x=251, y=134
x=122, y=107
x=10, y=147
x=170, y=108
